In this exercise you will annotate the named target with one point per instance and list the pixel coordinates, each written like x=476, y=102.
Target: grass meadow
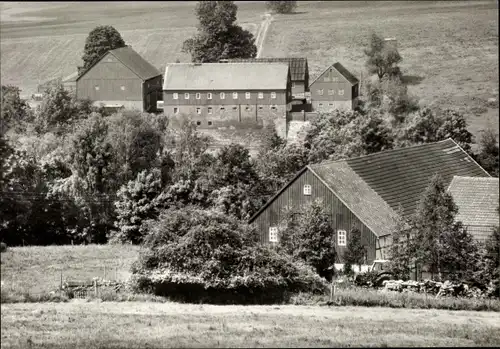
x=83, y=324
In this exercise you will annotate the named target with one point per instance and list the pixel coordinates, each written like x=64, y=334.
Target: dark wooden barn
x=367, y=192
x=121, y=78
x=334, y=88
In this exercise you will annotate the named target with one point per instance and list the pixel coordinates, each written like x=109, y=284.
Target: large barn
x=334, y=88
x=121, y=78
x=367, y=192
x=222, y=95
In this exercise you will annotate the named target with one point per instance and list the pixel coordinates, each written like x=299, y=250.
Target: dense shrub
x=205, y=256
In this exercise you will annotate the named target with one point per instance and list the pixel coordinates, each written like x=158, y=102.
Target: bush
x=3, y=247
x=205, y=256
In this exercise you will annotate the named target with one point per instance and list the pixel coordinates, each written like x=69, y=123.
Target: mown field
x=82, y=324
x=38, y=270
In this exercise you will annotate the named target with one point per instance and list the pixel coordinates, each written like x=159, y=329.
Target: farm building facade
x=335, y=88
x=477, y=201
x=121, y=78
x=217, y=95
x=367, y=192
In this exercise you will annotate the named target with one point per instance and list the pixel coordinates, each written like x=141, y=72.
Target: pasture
x=83, y=324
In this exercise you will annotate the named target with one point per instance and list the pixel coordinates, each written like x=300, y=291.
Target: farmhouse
x=222, y=95
x=477, y=200
x=367, y=192
x=121, y=78
x=299, y=73
x=334, y=88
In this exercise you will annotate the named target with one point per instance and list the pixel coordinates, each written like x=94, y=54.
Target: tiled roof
x=342, y=70
x=298, y=66
x=362, y=200
x=400, y=176
x=225, y=76
x=135, y=62
x=477, y=200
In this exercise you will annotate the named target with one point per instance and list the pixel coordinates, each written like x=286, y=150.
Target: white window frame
x=273, y=234
x=261, y=95
x=186, y=95
x=198, y=110
x=222, y=95
x=320, y=92
x=273, y=95
x=198, y=95
x=209, y=95
x=341, y=92
x=176, y=110
x=341, y=238
x=209, y=110
x=247, y=95
x=307, y=190
x=235, y=95
x=175, y=95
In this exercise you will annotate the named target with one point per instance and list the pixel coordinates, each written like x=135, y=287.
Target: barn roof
x=225, y=76
x=374, y=187
x=342, y=70
x=298, y=66
x=477, y=199
x=132, y=60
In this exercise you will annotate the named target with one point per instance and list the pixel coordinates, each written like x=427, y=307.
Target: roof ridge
x=385, y=152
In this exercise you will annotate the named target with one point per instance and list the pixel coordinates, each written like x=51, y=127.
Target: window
x=247, y=95
x=321, y=104
x=331, y=92
x=222, y=95
x=261, y=107
x=235, y=108
x=209, y=95
x=198, y=96
x=222, y=108
x=198, y=123
x=273, y=95
x=307, y=189
x=186, y=95
x=341, y=238
x=273, y=234
x=320, y=92
x=97, y=88
x=210, y=123
x=261, y=95
x=175, y=96
x=273, y=108
x=341, y=92
x=122, y=88
x=247, y=108
x=235, y=95
x=209, y=110
x=176, y=110
x=198, y=110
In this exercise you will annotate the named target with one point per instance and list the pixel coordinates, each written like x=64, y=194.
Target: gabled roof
x=298, y=66
x=477, y=199
x=132, y=60
x=375, y=186
x=342, y=70
x=225, y=76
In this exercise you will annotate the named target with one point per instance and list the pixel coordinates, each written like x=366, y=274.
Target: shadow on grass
x=412, y=79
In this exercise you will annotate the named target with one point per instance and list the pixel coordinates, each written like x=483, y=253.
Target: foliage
x=197, y=255
x=218, y=36
x=99, y=41
x=488, y=155
x=3, y=247
x=14, y=110
x=401, y=249
x=281, y=6
x=309, y=236
x=355, y=252
x=382, y=59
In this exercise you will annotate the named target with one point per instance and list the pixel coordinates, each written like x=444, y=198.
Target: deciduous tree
x=283, y=7
x=488, y=152
x=382, y=59
x=99, y=41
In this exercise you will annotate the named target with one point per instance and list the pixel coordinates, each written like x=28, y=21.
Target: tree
x=356, y=252
x=99, y=41
x=382, y=58
x=309, y=236
x=14, y=110
x=489, y=152
x=218, y=36
x=402, y=249
x=281, y=6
